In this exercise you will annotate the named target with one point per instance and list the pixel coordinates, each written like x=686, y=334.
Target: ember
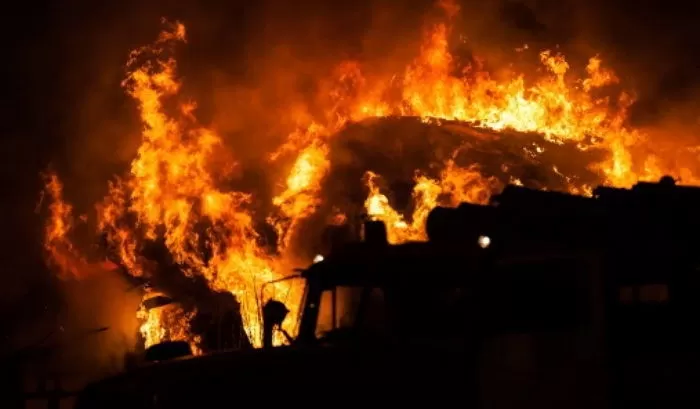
x=494, y=129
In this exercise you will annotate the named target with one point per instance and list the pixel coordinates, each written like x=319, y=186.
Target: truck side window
x=338, y=308
x=324, y=322
x=373, y=312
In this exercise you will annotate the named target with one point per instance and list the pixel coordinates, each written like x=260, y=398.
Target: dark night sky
x=59, y=57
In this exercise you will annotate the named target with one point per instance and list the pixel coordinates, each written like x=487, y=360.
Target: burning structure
x=180, y=227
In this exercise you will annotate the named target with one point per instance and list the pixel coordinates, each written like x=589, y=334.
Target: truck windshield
x=344, y=308
x=383, y=312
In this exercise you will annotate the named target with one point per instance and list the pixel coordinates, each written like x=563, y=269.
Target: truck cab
x=442, y=319
x=433, y=291
x=382, y=291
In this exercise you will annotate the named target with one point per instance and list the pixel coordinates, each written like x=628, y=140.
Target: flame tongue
x=171, y=190
x=172, y=194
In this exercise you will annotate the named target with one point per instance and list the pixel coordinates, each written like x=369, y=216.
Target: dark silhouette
x=539, y=299
x=274, y=312
x=521, y=17
x=167, y=350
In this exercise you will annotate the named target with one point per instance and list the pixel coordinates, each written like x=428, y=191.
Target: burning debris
x=174, y=224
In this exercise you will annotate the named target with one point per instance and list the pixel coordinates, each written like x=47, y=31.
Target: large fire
x=175, y=189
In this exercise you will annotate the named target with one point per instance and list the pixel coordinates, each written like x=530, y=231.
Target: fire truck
x=536, y=299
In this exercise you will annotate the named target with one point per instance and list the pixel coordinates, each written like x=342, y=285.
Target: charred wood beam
x=217, y=317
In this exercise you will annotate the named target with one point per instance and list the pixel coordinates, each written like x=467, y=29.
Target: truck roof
x=367, y=264
x=420, y=263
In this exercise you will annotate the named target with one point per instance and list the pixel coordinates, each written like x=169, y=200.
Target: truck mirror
x=274, y=312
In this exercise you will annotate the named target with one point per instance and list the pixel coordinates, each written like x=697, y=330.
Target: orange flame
x=166, y=323
x=457, y=184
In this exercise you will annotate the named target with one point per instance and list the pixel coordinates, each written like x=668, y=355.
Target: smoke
x=97, y=323
x=256, y=70
x=255, y=97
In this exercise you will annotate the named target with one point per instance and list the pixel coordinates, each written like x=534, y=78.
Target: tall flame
x=173, y=193
x=62, y=254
